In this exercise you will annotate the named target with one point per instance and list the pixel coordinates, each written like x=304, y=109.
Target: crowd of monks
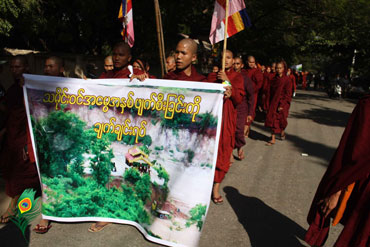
x=249, y=87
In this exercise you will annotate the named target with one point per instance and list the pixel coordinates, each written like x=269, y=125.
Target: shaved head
x=190, y=43
x=230, y=52
x=252, y=62
x=124, y=46
x=238, y=64
x=185, y=55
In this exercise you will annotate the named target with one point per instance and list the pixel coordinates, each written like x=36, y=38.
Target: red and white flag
x=125, y=16
x=238, y=19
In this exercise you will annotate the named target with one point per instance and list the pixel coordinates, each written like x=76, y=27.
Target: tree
x=61, y=141
x=197, y=214
x=101, y=162
x=143, y=188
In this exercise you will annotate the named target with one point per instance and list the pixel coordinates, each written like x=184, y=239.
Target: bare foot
x=241, y=155
x=98, y=226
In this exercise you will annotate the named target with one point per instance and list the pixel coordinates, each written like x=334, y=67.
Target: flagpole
x=125, y=20
x=225, y=35
x=160, y=35
x=162, y=42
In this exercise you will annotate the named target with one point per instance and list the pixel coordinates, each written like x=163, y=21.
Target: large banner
x=139, y=153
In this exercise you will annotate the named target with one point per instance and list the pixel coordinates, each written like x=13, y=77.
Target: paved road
x=267, y=196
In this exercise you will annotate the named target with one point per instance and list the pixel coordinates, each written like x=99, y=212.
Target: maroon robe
x=294, y=84
x=267, y=77
x=122, y=73
x=180, y=75
x=257, y=77
x=244, y=109
x=350, y=163
x=18, y=169
x=228, y=125
x=304, y=80
x=280, y=96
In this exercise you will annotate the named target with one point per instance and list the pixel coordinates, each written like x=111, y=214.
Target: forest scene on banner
x=156, y=172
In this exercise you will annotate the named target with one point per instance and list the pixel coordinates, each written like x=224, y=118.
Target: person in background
x=17, y=162
x=280, y=98
x=170, y=64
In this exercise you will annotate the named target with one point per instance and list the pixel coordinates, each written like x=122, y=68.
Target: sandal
x=95, y=227
x=217, y=200
x=40, y=229
x=269, y=143
x=283, y=137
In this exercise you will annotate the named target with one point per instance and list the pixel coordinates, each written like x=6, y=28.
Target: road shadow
x=265, y=226
x=311, y=95
x=257, y=136
x=316, y=149
x=11, y=236
x=324, y=115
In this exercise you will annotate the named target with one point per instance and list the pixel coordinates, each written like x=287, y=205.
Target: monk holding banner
x=233, y=97
x=121, y=59
x=344, y=191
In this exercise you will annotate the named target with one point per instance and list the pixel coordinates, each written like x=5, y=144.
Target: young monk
x=244, y=109
x=256, y=76
x=280, y=97
x=17, y=162
x=233, y=97
x=185, y=55
x=121, y=60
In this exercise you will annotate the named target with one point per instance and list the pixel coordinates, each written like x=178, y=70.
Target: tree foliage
x=61, y=141
x=197, y=214
x=320, y=34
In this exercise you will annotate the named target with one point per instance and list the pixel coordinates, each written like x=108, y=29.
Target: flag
x=238, y=19
x=125, y=16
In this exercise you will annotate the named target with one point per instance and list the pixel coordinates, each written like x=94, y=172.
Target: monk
x=348, y=169
x=170, y=64
x=233, y=97
x=121, y=60
x=244, y=109
x=280, y=97
x=267, y=76
x=108, y=63
x=54, y=66
x=16, y=158
x=273, y=68
x=256, y=76
x=292, y=78
x=185, y=55
x=304, y=79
